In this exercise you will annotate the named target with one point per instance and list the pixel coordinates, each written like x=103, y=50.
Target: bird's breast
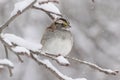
x=58, y=43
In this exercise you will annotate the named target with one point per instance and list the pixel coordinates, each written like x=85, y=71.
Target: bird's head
x=62, y=23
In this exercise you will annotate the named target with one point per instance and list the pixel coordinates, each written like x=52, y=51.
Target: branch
x=50, y=67
x=94, y=66
x=42, y=63
x=6, y=51
x=44, y=2
x=26, y=8
x=49, y=8
x=55, y=58
x=14, y=16
x=6, y=62
x=22, y=47
x=49, y=13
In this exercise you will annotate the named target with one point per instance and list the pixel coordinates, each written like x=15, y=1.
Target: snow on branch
x=18, y=45
x=21, y=46
x=50, y=67
x=49, y=8
x=16, y=12
x=63, y=60
x=44, y=2
x=21, y=50
x=94, y=66
x=6, y=62
x=20, y=6
x=12, y=39
x=59, y=59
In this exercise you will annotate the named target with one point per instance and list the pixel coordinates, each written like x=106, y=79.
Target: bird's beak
x=69, y=25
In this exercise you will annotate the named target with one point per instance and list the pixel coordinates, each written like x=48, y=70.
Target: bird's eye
x=63, y=25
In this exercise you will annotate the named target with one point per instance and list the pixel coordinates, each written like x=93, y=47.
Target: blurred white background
x=96, y=31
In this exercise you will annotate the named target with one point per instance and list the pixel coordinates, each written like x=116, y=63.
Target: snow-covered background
x=96, y=30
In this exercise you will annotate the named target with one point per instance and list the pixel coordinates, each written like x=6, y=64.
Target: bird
x=57, y=39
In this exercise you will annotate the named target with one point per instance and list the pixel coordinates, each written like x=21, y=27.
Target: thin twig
x=94, y=66
x=9, y=69
x=6, y=51
x=14, y=16
x=20, y=59
x=49, y=13
x=44, y=2
x=44, y=11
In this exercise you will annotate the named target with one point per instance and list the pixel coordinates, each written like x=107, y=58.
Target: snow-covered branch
x=18, y=11
x=15, y=44
x=44, y=2
x=19, y=45
x=59, y=59
x=94, y=66
x=49, y=8
x=7, y=56
x=51, y=14
x=14, y=40
x=6, y=62
x=50, y=67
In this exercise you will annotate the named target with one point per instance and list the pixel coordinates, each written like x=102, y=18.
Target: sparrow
x=57, y=38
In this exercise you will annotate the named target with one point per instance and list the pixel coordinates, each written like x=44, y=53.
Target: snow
x=80, y=79
x=108, y=70
x=21, y=50
x=20, y=6
x=49, y=7
x=7, y=41
x=10, y=38
x=62, y=60
x=6, y=62
x=48, y=63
